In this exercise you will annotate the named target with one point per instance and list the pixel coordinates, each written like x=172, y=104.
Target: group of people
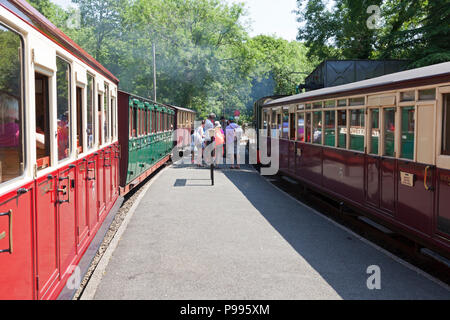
x=211, y=132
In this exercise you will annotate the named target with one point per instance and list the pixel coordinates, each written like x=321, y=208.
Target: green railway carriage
x=145, y=136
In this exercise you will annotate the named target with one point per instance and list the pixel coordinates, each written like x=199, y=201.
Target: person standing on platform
x=232, y=147
x=219, y=139
x=209, y=136
x=199, y=137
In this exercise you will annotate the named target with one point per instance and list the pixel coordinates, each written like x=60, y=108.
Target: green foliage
x=205, y=59
x=416, y=30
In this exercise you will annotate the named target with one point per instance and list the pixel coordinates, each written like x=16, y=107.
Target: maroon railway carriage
x=58, y=153
x=380, y=145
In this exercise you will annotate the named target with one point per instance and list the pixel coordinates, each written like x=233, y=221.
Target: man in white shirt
x=233, y=135
x=209, y=137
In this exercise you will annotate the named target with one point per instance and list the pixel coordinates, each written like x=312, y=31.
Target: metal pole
x=154, y=72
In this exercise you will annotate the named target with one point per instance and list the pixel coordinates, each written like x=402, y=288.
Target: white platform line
x=92, y=286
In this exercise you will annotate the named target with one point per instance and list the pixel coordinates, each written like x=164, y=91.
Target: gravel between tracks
x=115, y=225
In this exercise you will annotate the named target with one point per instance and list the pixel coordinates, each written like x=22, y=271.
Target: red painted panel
x=101, y=184
x=443, y=211
x=67, y=217
x=415, y=204
x=388, y=197
x=310, y=165
x=107, y=166
x=343, y=172
x=81, y=208
x=92, y=192
x=373, y=180
x=17, y=270
x=47, y=234
x=284, y=154
x=292, y=156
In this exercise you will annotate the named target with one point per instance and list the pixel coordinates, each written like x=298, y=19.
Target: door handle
x=3, y=234
x=65, y=190
x=91, y=170
x=425, y=179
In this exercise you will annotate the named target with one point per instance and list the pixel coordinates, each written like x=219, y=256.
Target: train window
x=317, y=105
x=408, y=96
x=330, y=104
x=292, y=126
x=317, y=127
x=42, y=112
x=308, y=127
x=357, y=101
x=114, y=118
x=80, y=112
x=446, y=126
x=135, y=122
x=274, y=123
x=106, y=114
x=389, y=132
x=11, y=121
x=90, y=130
x=342, y=129
x=342, y=103
x=375, y=131
x=100, y=118
x=63, y=108
x=301, y=127
x=279, y=123
x=130, y=125
x=429, y=94
x=154, y=121
x=285, y=132
x=408, y=126
x=264, y=124
x=357, y=130
x=141, y=121
x=147, y=121
x=330, y=128
x=308, y=106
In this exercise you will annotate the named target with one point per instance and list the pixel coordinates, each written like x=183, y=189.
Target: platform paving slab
x=244, y=239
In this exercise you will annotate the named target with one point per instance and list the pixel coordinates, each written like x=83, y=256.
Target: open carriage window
x=63, y=108
x=11, y=121
x=42, y=114
x=90, y=125
x=106, y=116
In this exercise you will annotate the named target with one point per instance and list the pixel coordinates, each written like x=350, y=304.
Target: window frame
x=23, y=116
x=71, y=111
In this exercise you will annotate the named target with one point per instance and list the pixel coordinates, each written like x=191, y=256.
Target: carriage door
x=81, y=203
x=416, y=179
x=442, y=226
x=373, y=160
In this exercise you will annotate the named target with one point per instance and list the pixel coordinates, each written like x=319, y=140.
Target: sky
x=268, y=17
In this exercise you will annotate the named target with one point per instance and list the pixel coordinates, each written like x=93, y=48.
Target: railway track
x=396, y=244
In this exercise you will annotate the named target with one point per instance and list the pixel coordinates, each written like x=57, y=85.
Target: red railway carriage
x=381, y=145
x=58, y=153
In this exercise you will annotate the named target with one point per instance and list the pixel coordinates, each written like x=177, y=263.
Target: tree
x=415, y=30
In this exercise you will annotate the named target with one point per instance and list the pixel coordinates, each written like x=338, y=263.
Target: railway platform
x=243, y=239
